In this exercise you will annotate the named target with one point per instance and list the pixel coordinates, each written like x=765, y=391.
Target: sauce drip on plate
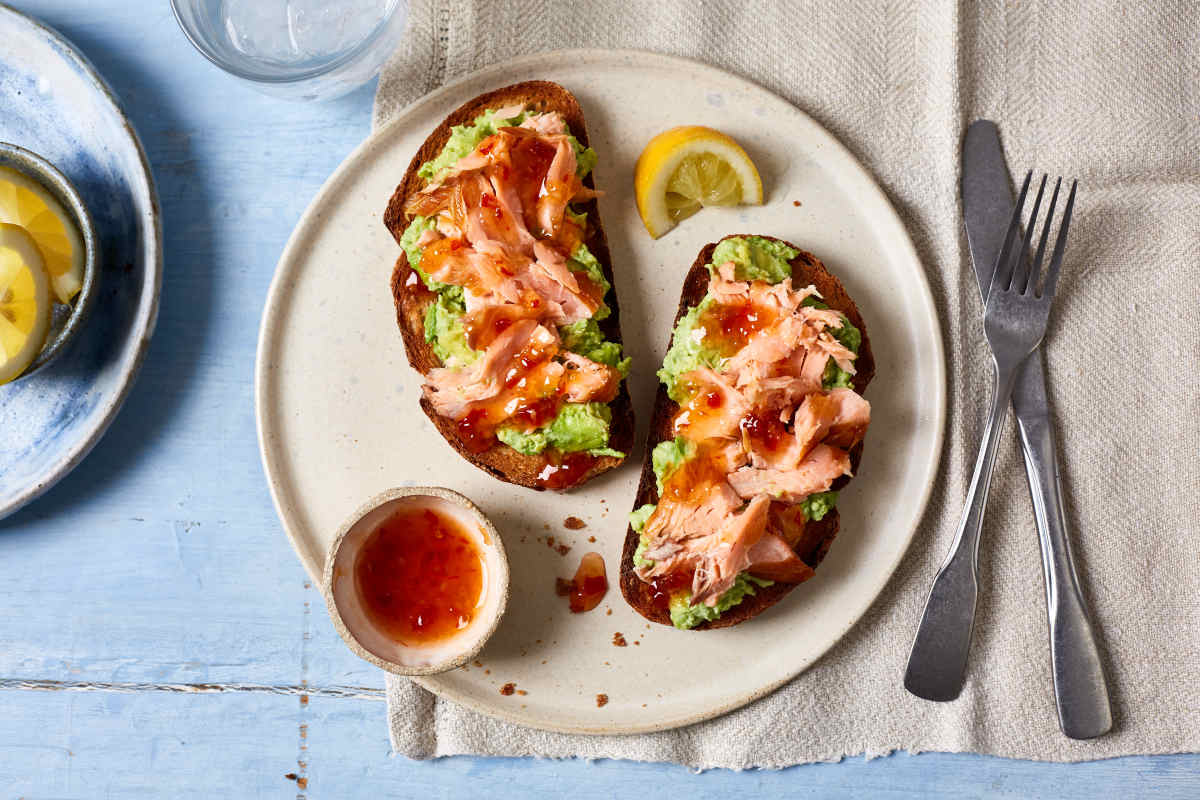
x=588, y=587
x=420, y=576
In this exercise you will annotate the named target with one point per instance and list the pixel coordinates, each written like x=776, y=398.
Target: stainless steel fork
x=1014, y=322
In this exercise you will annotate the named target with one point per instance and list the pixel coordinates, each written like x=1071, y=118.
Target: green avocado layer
x=755, y=258
x=684, y=615
x=578, y=426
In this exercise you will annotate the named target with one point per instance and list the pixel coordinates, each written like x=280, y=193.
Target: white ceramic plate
x=338, y=418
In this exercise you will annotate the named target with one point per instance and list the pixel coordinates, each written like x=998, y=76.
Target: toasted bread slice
x=500, y=460
x=818, y=536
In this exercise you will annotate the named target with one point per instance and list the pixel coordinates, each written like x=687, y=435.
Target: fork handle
x=1080, y=689
x=938, y=661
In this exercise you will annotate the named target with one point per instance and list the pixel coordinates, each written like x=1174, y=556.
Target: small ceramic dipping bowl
x=66, y=321
x=354, y=612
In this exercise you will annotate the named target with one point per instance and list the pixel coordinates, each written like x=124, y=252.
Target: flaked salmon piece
x=547, y=124
x=485, y=217
x=757, y=358
x=587, y=381
x=726, y=289
x=713, y=410
x=812, y=370
x=787, y=520
x=772, y=558
x=839, y=417
x=675, y=521
x=429, y=201
x=550, y=277
x=816, y=473
x=843, y=355
x=428, y=237
x=555, y=264
x=784, y=297
x=509, y=206
x=478, y=196
x=779, y=395
x=447, y=226
x=480, y=273
x=560, y=186
x=767, y=441
x=717, y=549
x=452, y=391
x=726, y=553
x=509, y=111
x=797, y=344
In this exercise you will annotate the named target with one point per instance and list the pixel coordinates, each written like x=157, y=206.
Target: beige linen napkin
x=1110, y=94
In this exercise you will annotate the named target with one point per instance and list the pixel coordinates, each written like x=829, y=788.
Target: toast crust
x=411, y=299
x=818, y=536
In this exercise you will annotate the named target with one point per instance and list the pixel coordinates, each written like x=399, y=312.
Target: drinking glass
x=295, y=49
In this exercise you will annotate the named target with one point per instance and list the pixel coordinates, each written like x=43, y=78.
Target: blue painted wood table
x=159, y=637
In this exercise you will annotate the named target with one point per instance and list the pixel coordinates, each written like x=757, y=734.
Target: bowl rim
x=199, y=42
x=38, y=169
x=384, y=498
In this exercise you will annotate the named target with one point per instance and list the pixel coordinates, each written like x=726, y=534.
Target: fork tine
x=1003, y=269
x=1020, y=279
x=1031, y=286
x=1059, y=245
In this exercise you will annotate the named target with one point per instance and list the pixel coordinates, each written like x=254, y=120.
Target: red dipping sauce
x=419, y=575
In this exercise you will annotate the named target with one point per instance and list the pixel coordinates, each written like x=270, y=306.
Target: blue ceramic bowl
x=66, y=321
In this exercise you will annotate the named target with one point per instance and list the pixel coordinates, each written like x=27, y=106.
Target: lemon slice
x=26, y=203
x=24, y=301
x=685, y=169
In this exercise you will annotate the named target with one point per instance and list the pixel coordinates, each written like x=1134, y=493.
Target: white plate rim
x=832, y=149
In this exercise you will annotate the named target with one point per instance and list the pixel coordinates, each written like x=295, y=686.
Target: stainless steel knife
x=1080, y=689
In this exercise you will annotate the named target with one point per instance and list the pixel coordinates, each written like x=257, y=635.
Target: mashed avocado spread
x=684, y=615
x=578, y=426
x=758, y=259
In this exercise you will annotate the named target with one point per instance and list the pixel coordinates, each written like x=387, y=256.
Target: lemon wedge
x=26, y=203
x=24, y=301
x=685, y=169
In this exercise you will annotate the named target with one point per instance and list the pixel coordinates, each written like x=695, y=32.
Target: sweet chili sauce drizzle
x=563, y=470
x=588, y=587
x=663, y=586
x=730, y=326
x=475, y=431
x=420, y=576
x=765, y=429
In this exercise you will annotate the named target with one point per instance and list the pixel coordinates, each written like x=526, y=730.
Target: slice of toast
x=500, y=460
x=818, y=536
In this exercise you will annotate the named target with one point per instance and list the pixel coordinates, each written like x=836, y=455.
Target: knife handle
x=937, y=663
x=1080, y=689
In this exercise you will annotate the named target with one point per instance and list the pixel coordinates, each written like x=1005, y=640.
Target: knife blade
x=1080, y=688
